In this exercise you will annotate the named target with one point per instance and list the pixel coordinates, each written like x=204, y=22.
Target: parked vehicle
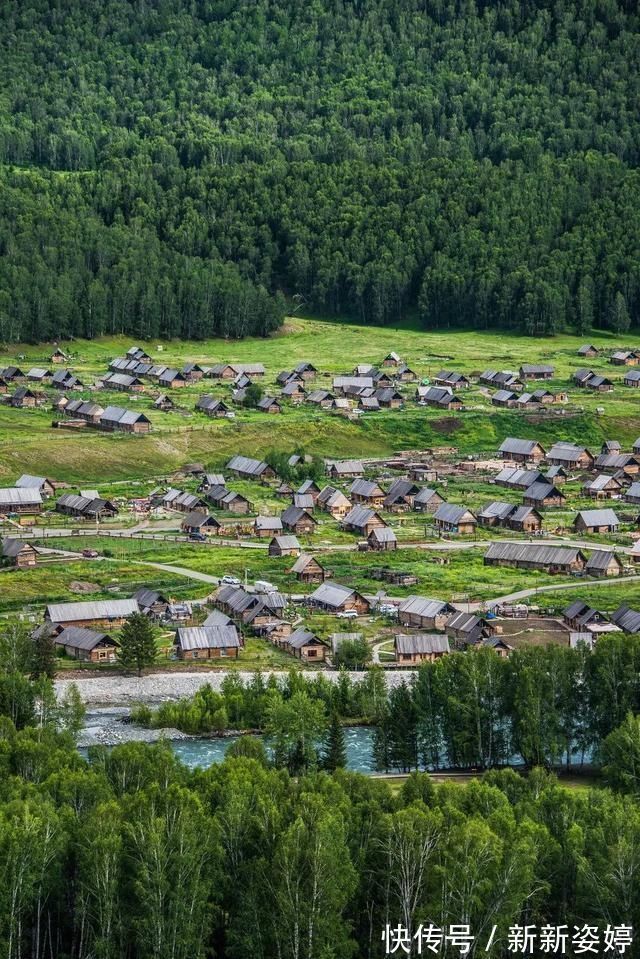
x=198, y=537
x=347, y=614
x=230, y=581
x=388, y=609
x=90, y=553
x=262, y=586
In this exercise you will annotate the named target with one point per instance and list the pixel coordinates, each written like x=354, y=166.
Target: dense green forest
x=131, y=856
x=128, y=854
x=174, y=167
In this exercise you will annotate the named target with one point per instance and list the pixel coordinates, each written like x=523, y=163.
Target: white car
x=230, y=581
x=388, y=608
x=347, y=614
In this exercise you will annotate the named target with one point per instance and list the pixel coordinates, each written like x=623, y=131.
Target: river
x=200, y=753
x=105, y=726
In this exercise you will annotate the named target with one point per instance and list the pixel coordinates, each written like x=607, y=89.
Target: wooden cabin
x=207, y=642
x=455, y=519
x=306, y=646
x=307, y=569
x=413, y=649
x=284, y=546
x=19, y=554
x=335, y=598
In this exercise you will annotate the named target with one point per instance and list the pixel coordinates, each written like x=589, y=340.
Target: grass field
x=27, y=442
x=32, y=589
x=121, y=466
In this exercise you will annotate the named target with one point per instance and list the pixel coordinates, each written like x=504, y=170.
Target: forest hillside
x=180, y=167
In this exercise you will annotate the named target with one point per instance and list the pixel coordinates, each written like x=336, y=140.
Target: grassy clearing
x=27, y=442
x=32, y=589
x=464, y=578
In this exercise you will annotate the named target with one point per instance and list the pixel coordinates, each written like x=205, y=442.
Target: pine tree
x=43, y=662
x=620, y=319
x=137, y=644
x=335, y=754
x=403, y=729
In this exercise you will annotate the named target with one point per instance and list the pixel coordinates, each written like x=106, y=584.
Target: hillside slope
x=167, y=168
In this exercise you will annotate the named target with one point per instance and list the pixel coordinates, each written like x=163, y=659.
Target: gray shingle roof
x=599, y=517
x=533, y=553
x=384, y=534
x=542, y=491
x=332, y=594
x=599, y=483
x=359, y=516
x=421, y=643
x=286, y=542
x=80, y=637
x=517, y=478
x=518, y=446
x=208, y=637
x=627, y=619
x=566, y=452
x=117, y=414
x=244, y=464
x=98, y=609
x=520, y=513
x=421, y=606
x=294, y=514
x=537, y=368
x=425, y=495
x=12, y=547
x=304, y=637
x=347, y=467
x=26, y=481
x=450, y=513
x=27, y=496
x=600, y=559
x=503, y=396
x=363, y=487
x=217, y=618
x=146, y=598
x=302, y=562
x=498, y=509
x=197, y=519
x=268, y=523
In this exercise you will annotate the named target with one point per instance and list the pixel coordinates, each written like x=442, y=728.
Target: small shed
x=382, y=538
x=19, y=554
x=306, y=645
x=455, y=519
x=307, y=569
x=284, y=546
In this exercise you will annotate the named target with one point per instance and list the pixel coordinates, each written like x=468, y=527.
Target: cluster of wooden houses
x=111, y=418
x=88, y=631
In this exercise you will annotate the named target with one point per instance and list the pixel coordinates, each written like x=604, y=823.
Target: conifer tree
x=137, y=644
x=43, y=662
x=335, y=754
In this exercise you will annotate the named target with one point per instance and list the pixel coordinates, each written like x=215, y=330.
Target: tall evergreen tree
x=43, y=661
x=137, y=643
x=335, y=753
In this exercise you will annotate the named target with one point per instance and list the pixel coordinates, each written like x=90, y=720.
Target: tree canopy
x=173, y=169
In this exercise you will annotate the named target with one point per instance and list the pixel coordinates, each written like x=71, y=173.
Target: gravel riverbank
x=159, y=687
x=106, y=726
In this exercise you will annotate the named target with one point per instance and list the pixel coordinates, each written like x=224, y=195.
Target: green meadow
x=28, y=443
